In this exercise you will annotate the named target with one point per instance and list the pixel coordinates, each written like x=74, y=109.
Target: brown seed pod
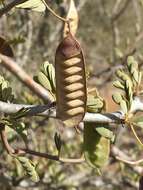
x=70, y=82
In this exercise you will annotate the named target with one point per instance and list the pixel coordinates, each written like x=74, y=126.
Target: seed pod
x=70, y=82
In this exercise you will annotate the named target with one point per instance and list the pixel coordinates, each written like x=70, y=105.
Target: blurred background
x=108, y=31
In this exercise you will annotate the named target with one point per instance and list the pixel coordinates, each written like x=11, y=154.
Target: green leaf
x=122, y=75
x=129, y=93
x=51, y=76
x=96, y=148
x=43, y=80
x=118, y=84
x=103, y=130
x=133, y=68
x=29, y=168
x=94, y=104
x=34, y=5
x=49, y=70
x=21, y=129
x=119, y=53
x=117, y=97
x=124, y=107
x=44, y=68
x=132, y=63
x=5, y=91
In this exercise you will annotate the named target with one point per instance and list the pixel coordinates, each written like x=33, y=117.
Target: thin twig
x=8, y=148
x=135, y=134
x=48, y=156
x=14, y=68
x=55, y=14
x=121, y=156
x=136, y=162
x=21, y=151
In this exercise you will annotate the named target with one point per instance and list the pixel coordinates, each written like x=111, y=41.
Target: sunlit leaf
x=94, y=104
x=117, y=97
x=103, y=130
x=35, y=5
x=123, y=105
x=43, y=80
x=118, y=84
x=119, y=53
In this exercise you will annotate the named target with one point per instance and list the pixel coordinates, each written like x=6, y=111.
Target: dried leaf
x=58, y=141
x=73, y=17
x=5, y=48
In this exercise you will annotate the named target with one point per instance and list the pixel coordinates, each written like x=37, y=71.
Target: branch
x=9, y=6
x=117, y=153
x=20, y=151
x=49, y=110
x=14, y=68
x=48, y=156
x=121, y=156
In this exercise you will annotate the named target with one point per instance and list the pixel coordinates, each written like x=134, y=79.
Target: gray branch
x=50, y=111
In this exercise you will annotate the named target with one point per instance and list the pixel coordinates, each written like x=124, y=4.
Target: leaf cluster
x=6, y=94
x=128, y=81
x=46, y=77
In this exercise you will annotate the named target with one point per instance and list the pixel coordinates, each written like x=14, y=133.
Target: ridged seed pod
x=70, y=82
